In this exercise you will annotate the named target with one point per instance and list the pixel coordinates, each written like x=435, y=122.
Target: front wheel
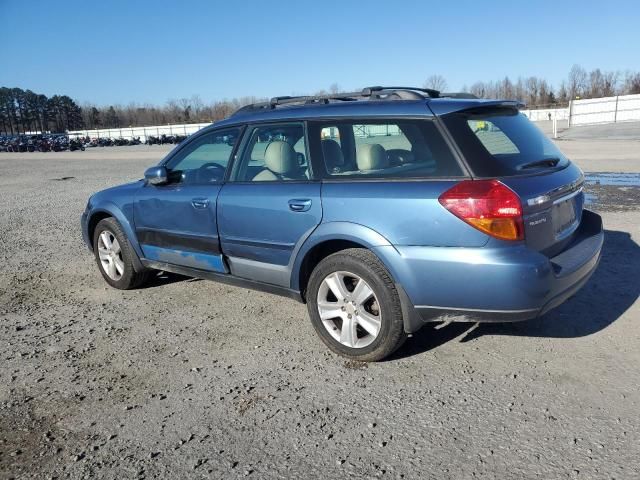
x=114, y=255
x=354, y=306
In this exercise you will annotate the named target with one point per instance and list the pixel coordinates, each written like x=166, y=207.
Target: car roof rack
x=367, y=93
x=463, y=95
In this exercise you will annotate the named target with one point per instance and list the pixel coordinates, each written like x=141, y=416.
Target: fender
x=113, y=210
x=349, y=231
x=374, y=241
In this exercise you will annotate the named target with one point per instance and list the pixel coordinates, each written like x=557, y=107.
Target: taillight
x=487, y=205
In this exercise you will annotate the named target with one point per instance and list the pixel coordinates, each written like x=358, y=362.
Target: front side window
x=205, y=159
x=385, y=149
x=274, y=153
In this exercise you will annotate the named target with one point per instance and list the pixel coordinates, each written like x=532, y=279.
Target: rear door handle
x=300, y=204
x=200, y=202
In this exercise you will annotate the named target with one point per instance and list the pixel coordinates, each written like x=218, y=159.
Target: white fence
x=546, y=114
x=623, y=108
x=142, y=132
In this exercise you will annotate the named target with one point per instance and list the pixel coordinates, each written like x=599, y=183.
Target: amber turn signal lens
x=488, y=205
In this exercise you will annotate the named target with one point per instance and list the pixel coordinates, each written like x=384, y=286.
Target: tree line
x=23, y=111
x=538, y=92
x=175, y=111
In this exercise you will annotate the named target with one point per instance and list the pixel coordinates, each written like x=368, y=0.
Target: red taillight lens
x=488, y=205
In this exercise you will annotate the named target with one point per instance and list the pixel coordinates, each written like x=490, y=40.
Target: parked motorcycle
x=76, y=144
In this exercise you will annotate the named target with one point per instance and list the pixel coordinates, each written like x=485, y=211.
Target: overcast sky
x=112, y=52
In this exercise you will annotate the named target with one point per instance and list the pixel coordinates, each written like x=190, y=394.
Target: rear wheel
x=114, y=255
x=354, y=306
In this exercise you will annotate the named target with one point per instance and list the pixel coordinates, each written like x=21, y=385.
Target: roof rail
x=370, y=93
x=465, y=95
x=391, y=90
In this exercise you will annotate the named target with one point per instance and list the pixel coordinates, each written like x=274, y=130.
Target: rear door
x=270, y=205
x=500, y=142
x=176, y=223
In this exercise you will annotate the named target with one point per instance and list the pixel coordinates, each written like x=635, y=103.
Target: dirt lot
x=191, y=379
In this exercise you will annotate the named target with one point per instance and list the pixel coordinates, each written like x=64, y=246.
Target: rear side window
x=502, y=142
x=383, y=149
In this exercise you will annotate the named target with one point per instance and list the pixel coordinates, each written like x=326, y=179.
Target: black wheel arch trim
x=137, y=264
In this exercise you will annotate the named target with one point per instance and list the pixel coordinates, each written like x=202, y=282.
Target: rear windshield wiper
x=546, y=162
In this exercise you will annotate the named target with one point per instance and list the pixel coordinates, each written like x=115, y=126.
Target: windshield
x=502, y=142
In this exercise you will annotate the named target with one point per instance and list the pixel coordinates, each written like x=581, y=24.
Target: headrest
x=372, y=157
x=280, y=157
x=332, y=153
x=398, y=156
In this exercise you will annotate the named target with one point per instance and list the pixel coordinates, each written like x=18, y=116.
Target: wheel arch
x=93, y=221
x=112, y=211
x=330, y=238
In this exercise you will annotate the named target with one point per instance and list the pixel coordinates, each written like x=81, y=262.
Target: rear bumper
x=493, y=284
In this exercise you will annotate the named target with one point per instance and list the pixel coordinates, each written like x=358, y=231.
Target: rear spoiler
x=463, y=105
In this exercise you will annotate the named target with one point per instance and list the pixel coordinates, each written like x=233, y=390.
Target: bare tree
x=596, y=84
x=479, y=89
x=520, y=90
x=506, y=89
x=545, y=93
x=173, y=110
x=437, y=82
x=563, y=95
x=197, y=106
x=631, y=83
x=532, y=85
x=577, y=82
x=610, y=82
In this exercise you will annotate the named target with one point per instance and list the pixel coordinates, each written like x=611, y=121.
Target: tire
x=381, y=313
x=121, y=261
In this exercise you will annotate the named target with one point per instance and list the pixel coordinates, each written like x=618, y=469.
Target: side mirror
x=156, y=175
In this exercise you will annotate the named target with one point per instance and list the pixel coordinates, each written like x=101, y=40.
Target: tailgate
x=552, y=205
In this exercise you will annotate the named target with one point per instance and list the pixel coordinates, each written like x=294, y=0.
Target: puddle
x=615, y=179
x=612, y=191
x=590, y=199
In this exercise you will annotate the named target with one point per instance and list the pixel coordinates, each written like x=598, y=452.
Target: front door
x=270, y=205
x=176, y=223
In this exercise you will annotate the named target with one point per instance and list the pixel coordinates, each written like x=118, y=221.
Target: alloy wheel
x=110, y=255
x=349, y=309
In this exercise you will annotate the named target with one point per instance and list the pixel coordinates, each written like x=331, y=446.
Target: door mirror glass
x=156, y=176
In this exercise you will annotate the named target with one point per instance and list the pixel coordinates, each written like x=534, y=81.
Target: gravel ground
x=192, y=379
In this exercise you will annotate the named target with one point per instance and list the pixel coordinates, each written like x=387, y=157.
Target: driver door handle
x=200, y=202
x=300, y=204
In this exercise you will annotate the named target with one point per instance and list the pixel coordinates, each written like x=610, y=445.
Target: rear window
x=383, y=149
x=502, y=142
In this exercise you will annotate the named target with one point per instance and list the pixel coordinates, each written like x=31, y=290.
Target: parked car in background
x=383, y=210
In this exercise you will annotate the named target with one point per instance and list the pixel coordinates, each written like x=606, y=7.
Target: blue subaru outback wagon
x=382, y=209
